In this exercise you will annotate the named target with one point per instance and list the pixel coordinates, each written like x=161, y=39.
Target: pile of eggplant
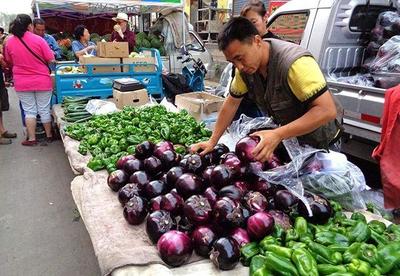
x=212, y=204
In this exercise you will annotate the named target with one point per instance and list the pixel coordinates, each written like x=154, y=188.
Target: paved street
x=40, y=231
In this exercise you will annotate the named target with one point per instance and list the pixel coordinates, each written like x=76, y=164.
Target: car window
x=289, y=26
x=194, y=44
x=363, y=18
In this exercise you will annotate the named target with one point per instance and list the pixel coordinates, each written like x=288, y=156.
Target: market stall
x=120, y=233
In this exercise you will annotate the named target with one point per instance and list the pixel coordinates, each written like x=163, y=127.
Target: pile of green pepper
x=108, y=137
x=344, y=246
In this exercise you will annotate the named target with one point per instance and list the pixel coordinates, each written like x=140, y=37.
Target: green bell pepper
x=359, y=232
x=368, y=253
x=335, y=206
x=279, y=250
x=114, y=148
x=352, y=252
x=388, y=256
x=304, y=262
x=358, y=267
x=131, y=149
x=378, y=226
x=328, y=269
x=258, y=266
x=378, y=239
x=83, y=149
x=358, y=216
x=248, y=251
x=281, y=265
x=93, y=139
x=329, y=237
x=375, y=272
x=301, y=227
x=95, y=164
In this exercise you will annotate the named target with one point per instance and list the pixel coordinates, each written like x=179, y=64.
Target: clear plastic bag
x=99, y=107
x=359, y=79
x=224, y=81
x=388, y=57
x=309, y=169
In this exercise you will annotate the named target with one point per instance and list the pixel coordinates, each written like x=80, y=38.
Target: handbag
x=35, y=55
x=4, y=103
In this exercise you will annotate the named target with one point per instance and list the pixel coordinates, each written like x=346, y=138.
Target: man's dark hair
x=1, y=30
x=238, y=28
x=38, y=21
x=20, y=25
x=78, y=32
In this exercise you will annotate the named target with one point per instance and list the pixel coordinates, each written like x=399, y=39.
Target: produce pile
x=149, y=41
x=212, y=204
x=343, y=246
x=75, y=109
x=108, y=137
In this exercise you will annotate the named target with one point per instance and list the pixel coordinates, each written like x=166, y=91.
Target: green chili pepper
x=279, y=250
x=295, y=245
x=258, y=266
x=335, y=206
x=248, y=251
x=338, y=248
x=266, y=241
x=279, y=264
x=131, y=149
x=378, y=239
x=279, y=233
x=325, y=254
x=328, y=269
x=304, y=262
x=292, y=235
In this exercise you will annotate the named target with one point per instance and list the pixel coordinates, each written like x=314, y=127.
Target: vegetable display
x=335, y=246
x=75, y=109
x=109, y=137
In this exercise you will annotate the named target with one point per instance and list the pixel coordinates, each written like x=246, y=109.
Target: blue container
x=99, y=85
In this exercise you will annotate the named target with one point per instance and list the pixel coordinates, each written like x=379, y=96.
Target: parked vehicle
x=169, y=26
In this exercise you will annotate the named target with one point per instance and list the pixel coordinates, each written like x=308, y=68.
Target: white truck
x=332, y=30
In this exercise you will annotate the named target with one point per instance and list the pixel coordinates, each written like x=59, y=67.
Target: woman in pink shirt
x=31, y=73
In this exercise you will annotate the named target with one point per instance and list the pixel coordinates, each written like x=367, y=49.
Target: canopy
x=86, y=8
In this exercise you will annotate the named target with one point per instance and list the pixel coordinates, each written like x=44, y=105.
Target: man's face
x=246, y=56
x=39, y=29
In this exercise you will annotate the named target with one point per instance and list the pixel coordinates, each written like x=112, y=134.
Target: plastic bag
x=99, y=107
x=343, y=184
x=224, y=81
x=359, y=79
x=388, y=57
x=311, y=169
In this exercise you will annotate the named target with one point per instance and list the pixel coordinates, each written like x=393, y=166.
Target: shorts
x=36, y=102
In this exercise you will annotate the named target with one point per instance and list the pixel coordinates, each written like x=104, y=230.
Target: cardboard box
x=101, y=69
x=112, y=49
x=200, y=105
x=130, y=98
x=143, y=64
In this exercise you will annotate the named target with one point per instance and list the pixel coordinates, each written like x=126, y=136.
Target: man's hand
x=269, y=140
x=205, y=147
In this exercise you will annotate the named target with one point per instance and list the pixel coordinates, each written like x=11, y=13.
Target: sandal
x=49, y=140
x=7, y=134
x=29, y=143
x=4, y=141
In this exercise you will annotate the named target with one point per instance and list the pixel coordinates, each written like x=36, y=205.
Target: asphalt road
x=40, y=230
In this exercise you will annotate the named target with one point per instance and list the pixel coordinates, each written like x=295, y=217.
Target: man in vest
x=286, y=83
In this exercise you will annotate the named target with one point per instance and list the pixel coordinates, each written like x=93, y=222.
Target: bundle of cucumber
x=75, y=109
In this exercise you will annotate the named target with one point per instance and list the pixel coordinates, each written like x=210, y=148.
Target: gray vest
x=274, y=96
